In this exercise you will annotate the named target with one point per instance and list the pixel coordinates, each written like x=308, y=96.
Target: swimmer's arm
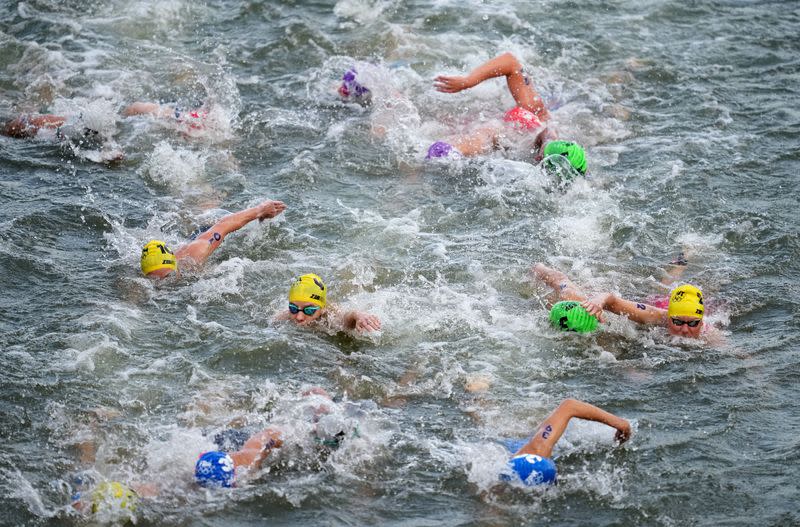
x=505, y=65
x=553, y=427
x=479, y=142
x=257, y=448
x=26, y=126
x=561, y=284
x=638, y=312
x=201, y=248
x=148, y=108
x=361, y=322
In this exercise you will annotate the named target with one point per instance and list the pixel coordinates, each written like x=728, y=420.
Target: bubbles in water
x=174, y=167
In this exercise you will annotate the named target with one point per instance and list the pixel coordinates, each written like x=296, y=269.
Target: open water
x=689, y=113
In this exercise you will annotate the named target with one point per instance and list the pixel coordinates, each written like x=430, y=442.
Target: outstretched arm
x=147, y=108
x=636, y=311
x=201, y=248
x=505, y=65
x=552, y=428
x=26, y=126
x=257, y=448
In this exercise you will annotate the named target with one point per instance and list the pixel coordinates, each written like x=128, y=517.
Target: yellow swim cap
x=308, y=288
x=686, y=301
x=156, y=255
x=113, y=496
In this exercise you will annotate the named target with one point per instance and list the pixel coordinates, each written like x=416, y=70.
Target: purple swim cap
x=351, y=87
x=439, y=149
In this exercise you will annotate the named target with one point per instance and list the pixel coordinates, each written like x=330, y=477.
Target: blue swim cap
x=214, y=469
x=531, y=470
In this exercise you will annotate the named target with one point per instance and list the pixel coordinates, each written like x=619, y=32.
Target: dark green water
x=689, y=112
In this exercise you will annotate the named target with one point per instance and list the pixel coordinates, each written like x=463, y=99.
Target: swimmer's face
x=301, y=317
x=680, y=327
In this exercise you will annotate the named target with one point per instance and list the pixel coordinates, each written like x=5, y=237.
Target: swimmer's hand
x=270, y=209
x=455, y=84
x=364, y=322
x=361, y=322
x=623, y=431
x=595, y=306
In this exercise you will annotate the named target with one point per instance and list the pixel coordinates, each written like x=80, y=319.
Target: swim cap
x=113, y=496
x=439, y=149
x=531, y=470
x=569, y=315
x=308, y=288
x=523, y=118
x=214, y=469
x=686, y=301
x=156, y=255
x=352, y=89
x=574, y=153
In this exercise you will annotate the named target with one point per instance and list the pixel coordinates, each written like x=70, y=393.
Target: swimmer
x=352, y=90
x=220, y=469
x=332, y=421
x=193, y=119
x=683, y=316
x=530, y=116
x=112, y=500
x=308, y=307
x=532, y=464
x=27, y=126
x=85, y=141
x=159, y=262
x=527, y=119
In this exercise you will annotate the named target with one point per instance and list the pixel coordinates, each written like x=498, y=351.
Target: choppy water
x=689, y=111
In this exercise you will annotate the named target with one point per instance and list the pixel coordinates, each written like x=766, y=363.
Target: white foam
x=174, y=167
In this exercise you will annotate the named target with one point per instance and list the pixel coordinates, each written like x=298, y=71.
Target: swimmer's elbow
x=511, y=59
x=612, y=303
x=569, y=405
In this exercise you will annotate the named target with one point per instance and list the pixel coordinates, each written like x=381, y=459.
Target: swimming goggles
x=690, y=323
x=307, y=311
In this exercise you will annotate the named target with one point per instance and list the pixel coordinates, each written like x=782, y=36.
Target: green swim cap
x=571, y=316
x=574, y=153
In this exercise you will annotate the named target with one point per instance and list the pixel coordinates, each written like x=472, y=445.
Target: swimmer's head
x=352, y=90
x=686, y=301
x=685, y=311
x=531, y=470
x=214, y=469
x=113, y=497
x=569, y=315
x=574, y=153
x=522, y=118
x=158, y=259
x=310, y=289
x=440, y=149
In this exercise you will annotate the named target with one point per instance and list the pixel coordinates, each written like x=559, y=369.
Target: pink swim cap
x=520, y=116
